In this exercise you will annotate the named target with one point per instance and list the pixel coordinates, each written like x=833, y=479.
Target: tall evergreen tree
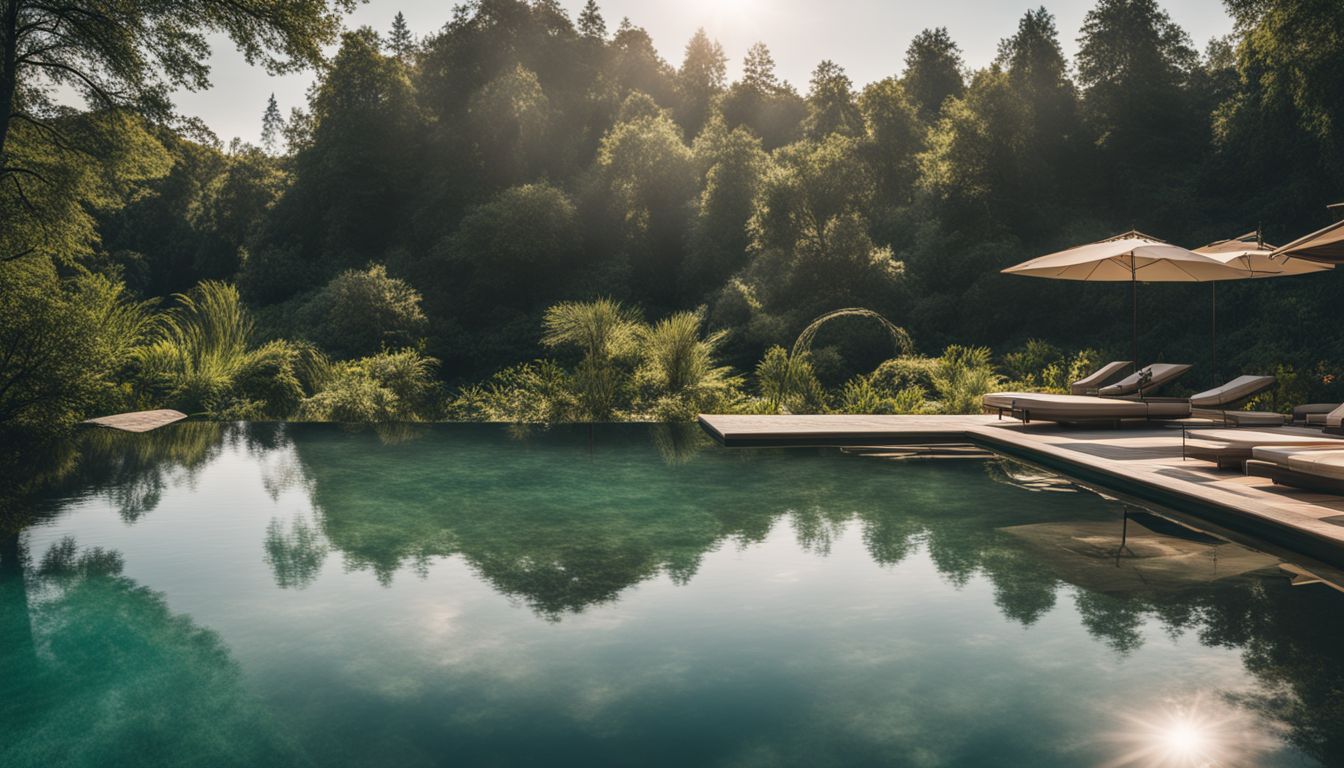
x=1135, y=64
x=758, y=69
x=932, y=71
x=272, y=126
x=770, y=108
x=591, y=24
x=400, y=41
x=702, y=76
x=830, y=103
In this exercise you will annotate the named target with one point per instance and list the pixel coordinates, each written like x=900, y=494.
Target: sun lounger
x=1230, y=448
x=1314, y=469
x=1313, y=413
x=1329, y=417
x=1041, y=406
x=1160, y=374
x=1216, y=404
x=1103, y=376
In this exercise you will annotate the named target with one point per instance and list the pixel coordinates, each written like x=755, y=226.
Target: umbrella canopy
x=1131, y=257
x=1323, y=245
x=1249, y=253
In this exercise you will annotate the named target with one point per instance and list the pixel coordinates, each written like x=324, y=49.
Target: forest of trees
x=532, y=216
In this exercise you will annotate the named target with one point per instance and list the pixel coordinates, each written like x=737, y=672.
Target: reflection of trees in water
x=295, y=557
x=561, y=522
x=130, y=470
x=108, y=675
x=679, y=443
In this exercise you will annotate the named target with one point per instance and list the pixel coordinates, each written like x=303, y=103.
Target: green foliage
x=678, y=376
x=830, y=104
x=509, y=117
x=361, y=312
x=201, y=359
x=702, y=76
x=647, y=175
x=1041, y=366
x=733, y=165
x=864, y=394
x=200, y=347
x=788, y=383
x=54, y=163
x=540, y=392
x=607, y=333
x=905, y=372
x=911, y=400
x=389, y=386
x=50, y=190
x=964, y=376
x=513, y=160
x=932, y=71
x=65, y=345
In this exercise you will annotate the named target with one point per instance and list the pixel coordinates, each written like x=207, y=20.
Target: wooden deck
x=139, y=421
x=1143, y=465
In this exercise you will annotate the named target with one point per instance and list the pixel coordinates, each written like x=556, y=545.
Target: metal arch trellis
x=899, y=336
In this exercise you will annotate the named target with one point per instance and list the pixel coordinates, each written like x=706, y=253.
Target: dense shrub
x=963, y=377
x=66, y=344
x=361, y=312
x=389, y=386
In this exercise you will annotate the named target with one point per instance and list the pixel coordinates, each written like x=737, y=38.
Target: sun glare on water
x=1200, y=733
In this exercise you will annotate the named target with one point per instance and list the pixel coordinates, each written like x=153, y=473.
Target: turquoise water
x=471, y=595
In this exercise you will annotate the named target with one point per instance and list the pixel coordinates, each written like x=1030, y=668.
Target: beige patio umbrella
x=1132, y=258
x=1325, y=246
x=1250, y=253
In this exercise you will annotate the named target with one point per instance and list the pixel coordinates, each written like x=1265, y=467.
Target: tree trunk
x=9, y=70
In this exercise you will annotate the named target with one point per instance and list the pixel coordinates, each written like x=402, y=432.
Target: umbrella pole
x=1213, y=332
x=1134, y=293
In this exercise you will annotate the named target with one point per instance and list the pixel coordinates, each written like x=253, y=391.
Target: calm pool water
x=466, y=595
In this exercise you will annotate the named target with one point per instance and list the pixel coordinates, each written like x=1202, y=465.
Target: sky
x=866, y=37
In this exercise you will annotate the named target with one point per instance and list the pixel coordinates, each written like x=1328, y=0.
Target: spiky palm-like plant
x=603, y=329
x=787, y=381
x=607, y=332
x=677, y=373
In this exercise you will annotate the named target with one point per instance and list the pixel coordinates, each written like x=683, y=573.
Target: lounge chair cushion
x=1306, y=413
x=1233, y=391
x=1049, y=407
x=1250, y=438
x=1257, y=418
x=1162, y=373
x=1321, y=462
x=1335, y=418
x=1103, y=375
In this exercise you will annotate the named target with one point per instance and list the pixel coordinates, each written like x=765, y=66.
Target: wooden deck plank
x=138, y=421
x=749, y=430
x=1143, y=463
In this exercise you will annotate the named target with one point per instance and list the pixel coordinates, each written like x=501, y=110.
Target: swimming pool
x=633, y=595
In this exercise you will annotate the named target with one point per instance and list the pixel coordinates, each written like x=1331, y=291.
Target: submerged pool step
x=924, y=452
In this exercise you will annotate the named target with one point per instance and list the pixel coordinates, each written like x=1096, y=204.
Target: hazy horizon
x=866, y=37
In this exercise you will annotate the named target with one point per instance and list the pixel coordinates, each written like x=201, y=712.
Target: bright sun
x=1200, y=732
x=1185, y=740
